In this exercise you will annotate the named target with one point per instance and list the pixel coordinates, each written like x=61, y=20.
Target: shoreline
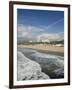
x=45, y=49
x=51, y=52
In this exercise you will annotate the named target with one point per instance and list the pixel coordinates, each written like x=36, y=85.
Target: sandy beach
x=49, y=49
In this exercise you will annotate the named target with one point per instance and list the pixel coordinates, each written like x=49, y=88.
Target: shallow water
x=52, y=65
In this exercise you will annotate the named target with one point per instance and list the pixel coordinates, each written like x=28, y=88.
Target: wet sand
x=49, y=49
x=51, y=52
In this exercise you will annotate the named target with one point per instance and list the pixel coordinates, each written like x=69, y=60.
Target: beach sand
x=44, y=48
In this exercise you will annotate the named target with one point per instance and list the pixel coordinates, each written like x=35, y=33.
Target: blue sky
x=37, y=22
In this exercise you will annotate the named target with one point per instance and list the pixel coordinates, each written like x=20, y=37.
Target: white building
x=59, y=45
x=46, y=40
x=30, y=41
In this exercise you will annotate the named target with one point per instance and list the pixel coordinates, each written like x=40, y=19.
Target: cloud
x=54, y=23
x=24, y=31
x=51, y=36
x=36, y=33
x=21, y=31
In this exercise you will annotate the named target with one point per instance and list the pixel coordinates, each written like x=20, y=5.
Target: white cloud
x=51, y=36
x=28, y=31
x=36, y=33
x=53, y=24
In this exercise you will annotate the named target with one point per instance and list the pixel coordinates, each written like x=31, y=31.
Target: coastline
x=48, y=49
x=51, y=52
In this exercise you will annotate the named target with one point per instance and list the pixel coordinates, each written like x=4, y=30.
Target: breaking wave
x=28, y=70
x=51, y=65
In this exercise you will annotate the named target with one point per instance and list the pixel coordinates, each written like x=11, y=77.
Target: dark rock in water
x=28, y=70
